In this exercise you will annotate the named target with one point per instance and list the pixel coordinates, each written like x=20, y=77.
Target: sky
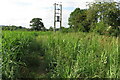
x=21, y=12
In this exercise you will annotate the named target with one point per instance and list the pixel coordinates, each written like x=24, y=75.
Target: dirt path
x=35, y=61
x=36, y=67
x=39, y=70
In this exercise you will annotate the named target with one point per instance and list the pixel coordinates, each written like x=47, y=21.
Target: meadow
x=30, y=54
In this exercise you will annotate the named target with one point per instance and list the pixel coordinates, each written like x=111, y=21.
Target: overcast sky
x=20, y=12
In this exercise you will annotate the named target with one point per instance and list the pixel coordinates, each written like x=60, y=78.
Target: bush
x=100, y=27
x=64, y=30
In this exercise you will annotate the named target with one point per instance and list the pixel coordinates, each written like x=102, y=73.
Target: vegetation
x=0, y=51
x=60, y=55
x=13, y=28
x=37, y=24
x=97, y=18
x=102, y=18
x=77, y=20
x=14, y=44
x=80, y=55
x=89, y=48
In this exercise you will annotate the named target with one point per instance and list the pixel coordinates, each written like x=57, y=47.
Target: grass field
x=59, y=55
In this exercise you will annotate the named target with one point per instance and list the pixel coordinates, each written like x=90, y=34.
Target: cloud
x=20, y=12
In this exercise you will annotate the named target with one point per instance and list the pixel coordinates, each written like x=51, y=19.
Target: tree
x=97, y=18
x=51, y=28
x=108, y=13
x=37, y=24
x=77, y=20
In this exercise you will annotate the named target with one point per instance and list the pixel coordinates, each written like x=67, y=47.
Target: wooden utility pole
x=57, y=15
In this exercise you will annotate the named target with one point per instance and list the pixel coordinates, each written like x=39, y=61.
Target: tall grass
x=67, y=55
x=81, y=55
x=0, y=52
x=14, y=47
x=17, y=47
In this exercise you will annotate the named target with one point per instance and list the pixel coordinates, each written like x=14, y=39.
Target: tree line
x=101, y=17
x=13, y=27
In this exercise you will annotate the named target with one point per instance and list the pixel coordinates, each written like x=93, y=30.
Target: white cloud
x=20, y=12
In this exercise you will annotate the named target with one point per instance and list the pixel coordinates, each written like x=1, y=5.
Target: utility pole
x=57, y=15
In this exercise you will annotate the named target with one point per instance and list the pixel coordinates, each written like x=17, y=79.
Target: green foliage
x=0, y=51
x=18, y=53
x=80, y=55
x=77, y=20
x=114, y=31
x=96, y=18
x=51, y=28
x=13, y=28
x=105, y=12
x=37, y=24
x=66, y=55
x=64, y=30
x=14, y=47
x=100, y=28
x=103, y=15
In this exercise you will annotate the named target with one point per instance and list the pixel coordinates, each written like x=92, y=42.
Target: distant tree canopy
x=97, y=18
x=13, y=27
x=37, y=24
x=51, y=28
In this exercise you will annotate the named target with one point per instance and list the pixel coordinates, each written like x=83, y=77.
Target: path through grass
x=36, y=66
x=70, y=55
